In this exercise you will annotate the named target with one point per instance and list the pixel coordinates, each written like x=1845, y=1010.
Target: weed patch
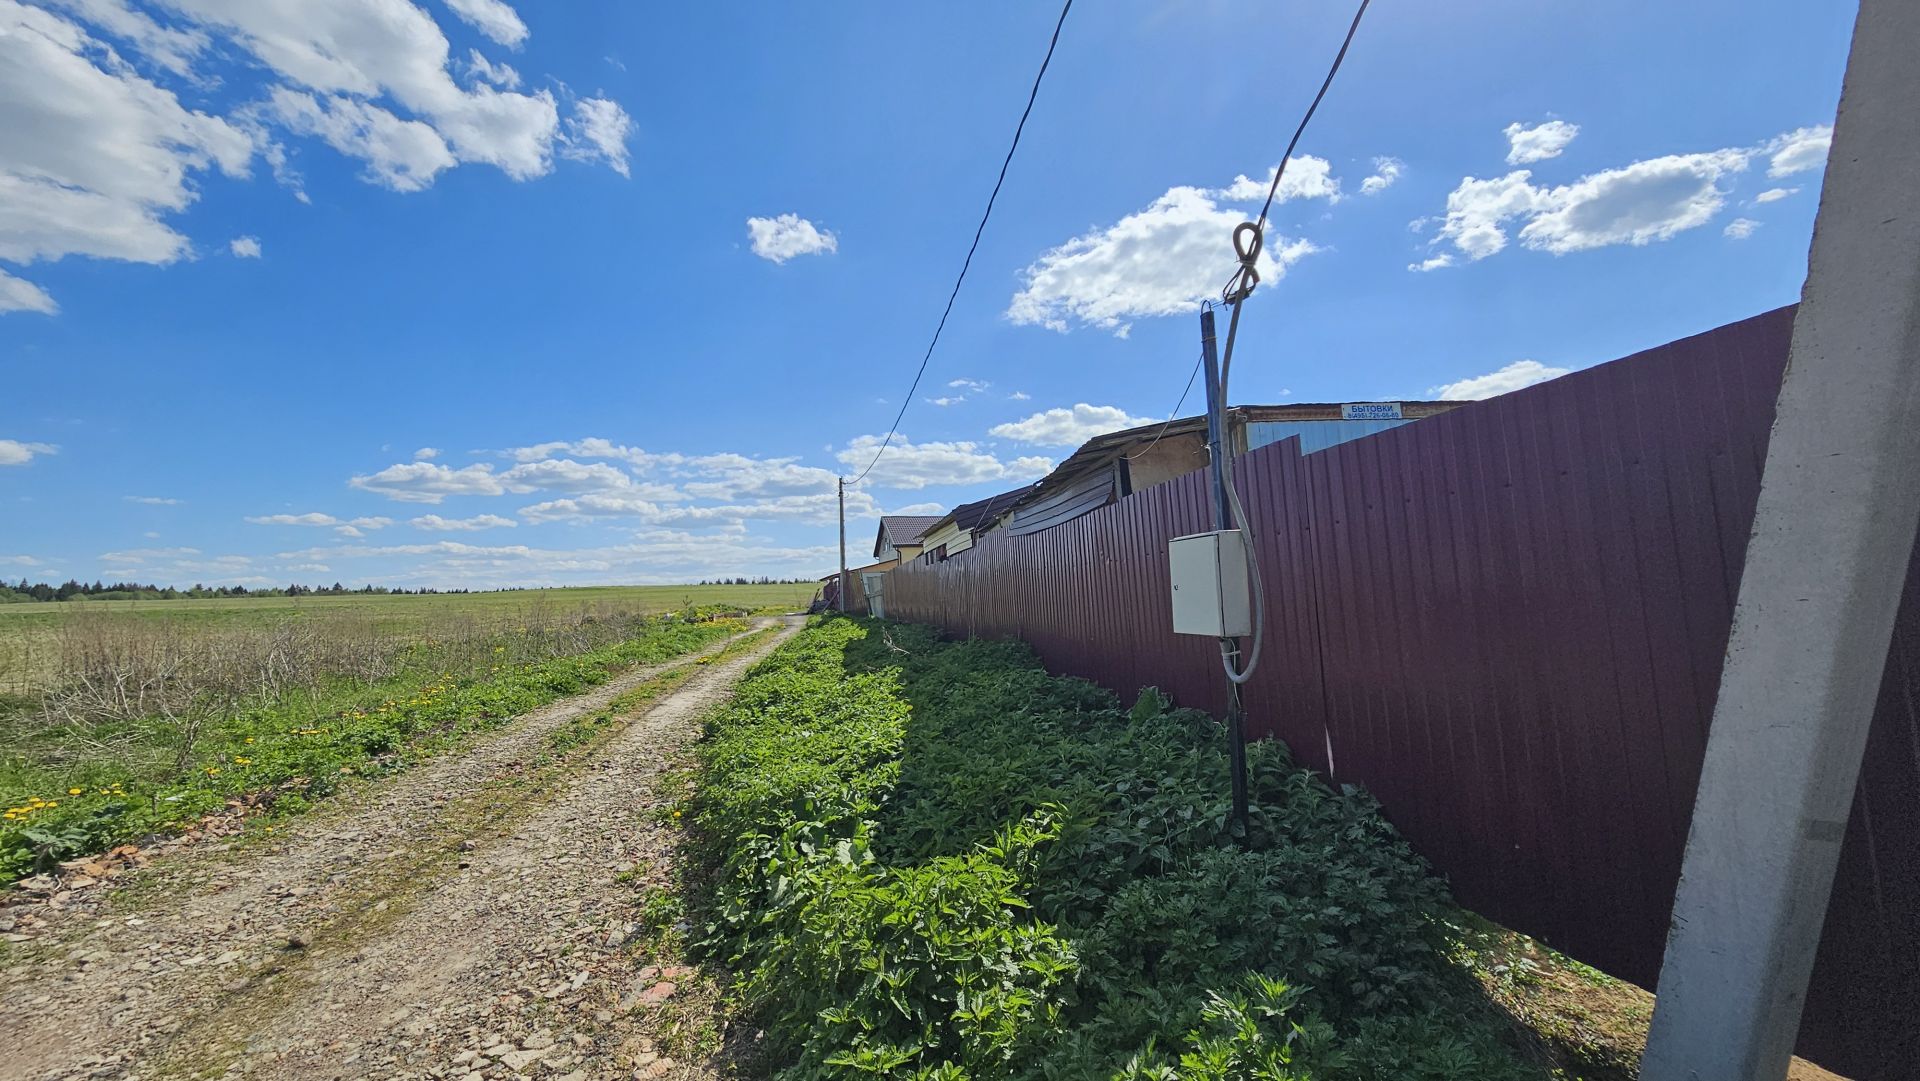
x=930, y=859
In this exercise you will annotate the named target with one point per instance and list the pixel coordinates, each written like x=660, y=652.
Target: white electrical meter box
x=1210, y=594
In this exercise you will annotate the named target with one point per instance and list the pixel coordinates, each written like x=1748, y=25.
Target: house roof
x=1101, y=450
x=970, y=515
x=899, y=529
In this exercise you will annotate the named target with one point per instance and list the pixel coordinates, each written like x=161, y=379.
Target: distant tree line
x=23, y=590
x=763, y=580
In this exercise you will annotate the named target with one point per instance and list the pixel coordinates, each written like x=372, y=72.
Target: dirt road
x=466, y=919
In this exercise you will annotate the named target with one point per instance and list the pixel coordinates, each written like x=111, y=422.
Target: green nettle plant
x=930, y=859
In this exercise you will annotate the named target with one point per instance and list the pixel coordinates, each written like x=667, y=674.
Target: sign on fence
x=1371, y=411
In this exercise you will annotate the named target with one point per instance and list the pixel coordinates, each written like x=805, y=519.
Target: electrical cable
x=1021, y=127
x=1171, y=417
x=1248, y=239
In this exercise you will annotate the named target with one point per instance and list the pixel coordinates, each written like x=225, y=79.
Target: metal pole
x=1217, y=450
x=843, y=546
x=1832, y=535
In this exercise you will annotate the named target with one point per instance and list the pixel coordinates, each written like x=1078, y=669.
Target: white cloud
x=14, y=452
x=430, y=482
x=152, y=500
x=94, y=155
x=426, y=453
x=564, y=474
x=354, y=527
x=921, y=509
x=593, y=447
x=245, y=247
x=169, y=48
x=1385, y=172
x=911, y=466
x=492, y=18
x=598, y=131
x=98, y=157
x=1740, y=228
x=968, y=384
x=1521, y=373
x=1019, y=396
x=1638, y=204
x=1538, y=143
x=405, y=155
x=951, y=399
x=1069, y=427
x=1432, y=263
x=788, y=236
x=478, y=521
x=17, y=295
x=734, y=477
x=425, y=482
x=1163, y=260
x=501, y=75
x=1307, y=177
x=1799, y=150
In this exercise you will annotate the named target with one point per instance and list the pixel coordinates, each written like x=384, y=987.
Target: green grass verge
x=291, y=752
x=937, y=861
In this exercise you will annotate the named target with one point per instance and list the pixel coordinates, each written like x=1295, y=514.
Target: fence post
x=1832, y=535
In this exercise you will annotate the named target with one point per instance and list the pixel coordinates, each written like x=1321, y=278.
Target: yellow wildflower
x=75, y=791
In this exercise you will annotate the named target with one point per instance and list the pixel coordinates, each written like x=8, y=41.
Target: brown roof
x=899, y=529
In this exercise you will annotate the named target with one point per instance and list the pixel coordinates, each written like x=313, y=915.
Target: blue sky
x=458, y=293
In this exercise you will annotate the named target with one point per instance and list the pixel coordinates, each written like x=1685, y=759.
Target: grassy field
x=31, y=651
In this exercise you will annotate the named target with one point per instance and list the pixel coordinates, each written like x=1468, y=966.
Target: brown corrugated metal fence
x=1507, y=622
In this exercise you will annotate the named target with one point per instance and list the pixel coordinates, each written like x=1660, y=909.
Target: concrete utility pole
x=843, y=545
x=1839, y=502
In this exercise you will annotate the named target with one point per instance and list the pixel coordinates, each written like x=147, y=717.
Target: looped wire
x=1247, y=278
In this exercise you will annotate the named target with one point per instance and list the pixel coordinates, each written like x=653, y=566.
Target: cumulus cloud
x=950, y=399
x=430, y=482
x=598, y=131
x=1637, y=204
x=17, y=295
x=1538, y=143
x=426, y=454
x=96, y=155
x=788, y=236
x=448, y=525
x=1521, y=373
x=492, y=18
x=426, y=482
x=1068, y=427
x=911, y=465
x=593, y=447
x=1799, y=150
x=1740, y=228
x=245, y=247
x=501, y=75
x=1162, y=260
x=1307, y=177
x=14, y=452
x=353, y=527
x=1385, y=172
x=99, y=157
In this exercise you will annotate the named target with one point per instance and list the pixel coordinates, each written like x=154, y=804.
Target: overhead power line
x=1247, y=277
x=1032, y=95
x=1191, y=376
